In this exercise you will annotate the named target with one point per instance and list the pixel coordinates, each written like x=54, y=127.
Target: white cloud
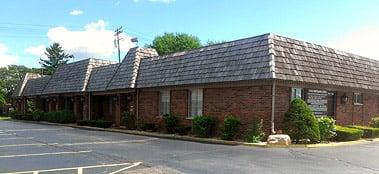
x=362, y=42
x=159, y=1
x=94, y=41
x=117, y=3
x=38, y=51
x=5, y=58
x=76, y=12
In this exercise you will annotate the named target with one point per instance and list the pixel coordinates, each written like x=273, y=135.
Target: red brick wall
x=244, y=103
x=179, y=105
x=282, y=102
x=348, y=113
x=148, y=108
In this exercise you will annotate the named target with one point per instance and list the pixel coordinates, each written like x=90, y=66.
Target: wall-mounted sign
x=318, y=101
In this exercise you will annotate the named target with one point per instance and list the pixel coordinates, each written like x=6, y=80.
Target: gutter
x=273, y=107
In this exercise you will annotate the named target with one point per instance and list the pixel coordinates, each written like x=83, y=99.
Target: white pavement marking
x=104, y=142
x=126, y=168
x=6, y=134
x=76, y=168
x=42, y=154
x=79, y=144
x=24, y=130
x=17, y=138
x=22, y=145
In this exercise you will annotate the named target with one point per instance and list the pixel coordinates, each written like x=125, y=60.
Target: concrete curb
x=206, y=140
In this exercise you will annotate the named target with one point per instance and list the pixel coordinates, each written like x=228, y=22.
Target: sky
x=86, y=28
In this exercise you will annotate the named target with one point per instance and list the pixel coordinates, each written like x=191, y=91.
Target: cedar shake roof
x=73, y=77
x=126, y=74
x=22, y=83
x=35, y=86
x=101, y=76
x=306, y=62
x=266, y=56
x=245, y=59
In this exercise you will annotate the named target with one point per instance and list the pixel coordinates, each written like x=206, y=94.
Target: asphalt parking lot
x=29, y=147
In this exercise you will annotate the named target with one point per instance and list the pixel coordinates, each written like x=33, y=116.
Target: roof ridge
x=271, y=53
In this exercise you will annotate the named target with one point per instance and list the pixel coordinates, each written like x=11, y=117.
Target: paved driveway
x=54, y=149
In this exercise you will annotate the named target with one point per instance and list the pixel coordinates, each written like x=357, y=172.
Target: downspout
x=89, y=106
x=273, y=107
x=271, y=38
x=137, y=104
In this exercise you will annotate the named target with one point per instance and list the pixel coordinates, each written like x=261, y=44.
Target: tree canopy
x=55, y=57
x=10, y=76
x=175, y=42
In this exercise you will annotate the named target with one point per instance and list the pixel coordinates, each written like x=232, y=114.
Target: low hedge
x=59, y=117
x=348, y=134
x=203, y=126
x=95, y=123
x=368, y=132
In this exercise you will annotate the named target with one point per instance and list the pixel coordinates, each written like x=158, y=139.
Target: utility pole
x=118, y=31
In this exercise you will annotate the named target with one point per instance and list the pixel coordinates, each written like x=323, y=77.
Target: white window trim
x=160, y=103
x=354, y=98
x=190, y=116
x=301, y=92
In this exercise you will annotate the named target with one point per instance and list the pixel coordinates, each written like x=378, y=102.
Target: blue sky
x=26, y=27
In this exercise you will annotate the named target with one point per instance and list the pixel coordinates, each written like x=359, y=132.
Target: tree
x=300, y=123
x=171, y=43
x=2, y=94
x=10, y=76
x=55, y=57
x=213, y=42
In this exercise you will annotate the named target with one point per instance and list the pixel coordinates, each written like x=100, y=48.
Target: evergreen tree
x=55, y=57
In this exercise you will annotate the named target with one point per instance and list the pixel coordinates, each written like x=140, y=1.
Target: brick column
x=117, y=110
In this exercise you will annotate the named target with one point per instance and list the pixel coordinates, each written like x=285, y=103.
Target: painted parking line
x=27, y=130
x=43, y=154
x=17, y=138
x=4, y=134
x=22, y=145
x=103, y=142
x=79, y=144
x=79, y=169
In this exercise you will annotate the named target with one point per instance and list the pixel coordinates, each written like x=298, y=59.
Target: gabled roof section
x=126, y=74
x=35, y=86
x=21, y=84
x=306, y=62
x=73, y=77
x=100, y=77
x=245, y=59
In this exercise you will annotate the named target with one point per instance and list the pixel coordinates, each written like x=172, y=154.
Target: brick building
x=247, y=78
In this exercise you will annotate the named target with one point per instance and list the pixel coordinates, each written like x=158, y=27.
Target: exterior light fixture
x=344, y=99
x=115, y=98
x=54, y=99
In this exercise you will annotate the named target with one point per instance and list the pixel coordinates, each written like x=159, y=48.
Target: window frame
x=162, y=94
x=294, y=96
x=199, y=102
x=356, y=98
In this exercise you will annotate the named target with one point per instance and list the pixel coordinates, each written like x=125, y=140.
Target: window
x=195, y=102
x=296, y=93
x=164, y=102
x=358, y=99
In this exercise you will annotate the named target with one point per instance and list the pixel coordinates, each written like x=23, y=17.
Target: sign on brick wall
x=318, y=101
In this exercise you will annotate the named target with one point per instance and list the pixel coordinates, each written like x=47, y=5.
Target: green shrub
x=171, y=122
x=37, y=115
x=255, y=134
x=230, y=128
x=374, y=122
x=202, y=126
x=348, y=134
x=327, y=128
x=152, y=127
x=183, y=130
x=15, y=115
x=300, y=123
x=129, y=120
x=95, y=123
x=63, y=116
x=368, y=132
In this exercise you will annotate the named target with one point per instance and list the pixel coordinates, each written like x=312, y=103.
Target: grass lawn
x=4, y=117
